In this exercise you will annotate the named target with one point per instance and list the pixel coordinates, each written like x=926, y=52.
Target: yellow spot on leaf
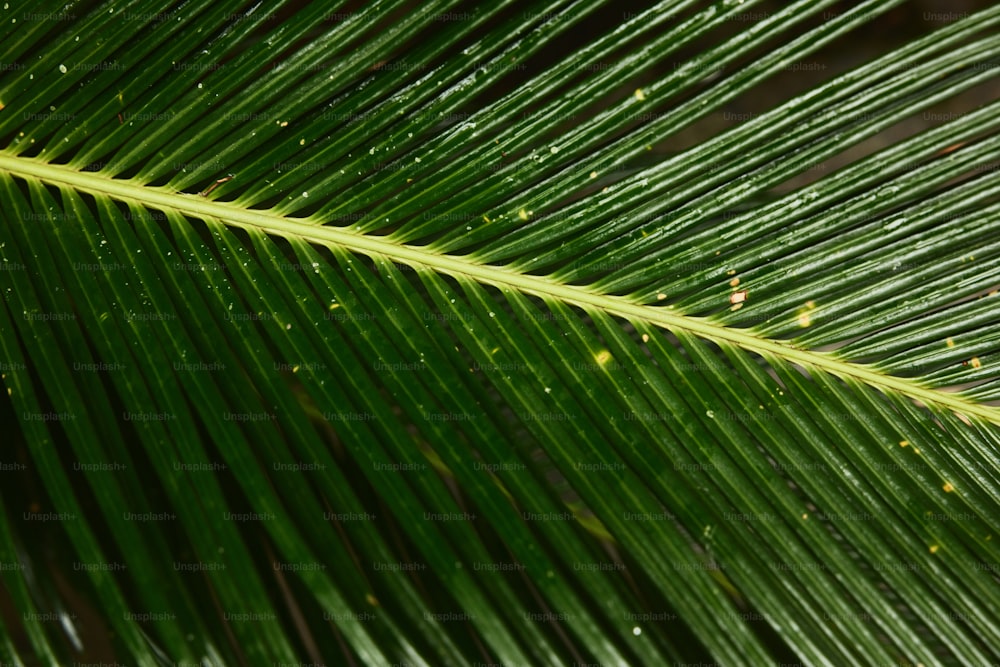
x=522, y=214
x=486, y=219
x=734, y=282
x=661, y=296
x=950, y=343
x=803, y=315
x=436, y=461
x=934, y=548
x=948, y=488
x=904, y=443
x=371, y=599
x=645, y=338
x=590, y=523
x=975, y=363
x=639, y=95
x=805, y=517
x=738, y=297
x=602, y=357
x=593, y=174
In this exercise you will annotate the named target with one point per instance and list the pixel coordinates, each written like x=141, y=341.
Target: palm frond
x=436, y=334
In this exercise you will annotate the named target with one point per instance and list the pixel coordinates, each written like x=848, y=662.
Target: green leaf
x=525, y=333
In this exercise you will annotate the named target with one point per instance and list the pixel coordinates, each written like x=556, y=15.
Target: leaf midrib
x=498, y=276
